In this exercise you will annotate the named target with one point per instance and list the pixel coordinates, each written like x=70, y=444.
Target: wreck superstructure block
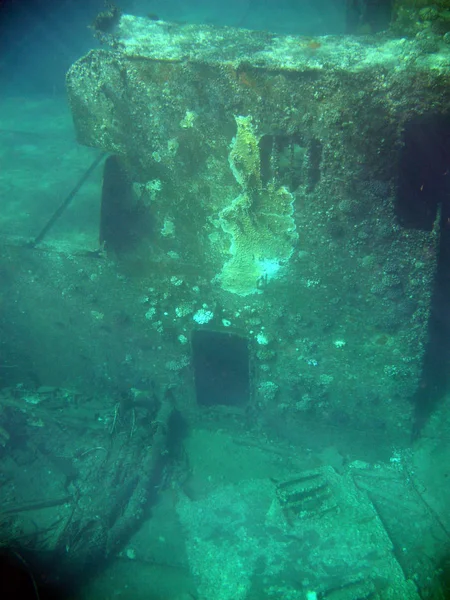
x=270, y=167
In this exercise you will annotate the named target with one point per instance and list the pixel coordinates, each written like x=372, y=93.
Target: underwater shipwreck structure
x=291, y=239
x=271, y=221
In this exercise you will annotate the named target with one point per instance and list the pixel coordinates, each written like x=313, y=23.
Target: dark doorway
x=124, y=221
x=221, y=367
x=424, y=171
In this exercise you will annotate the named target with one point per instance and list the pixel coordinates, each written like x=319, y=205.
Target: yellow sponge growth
x=260, y=220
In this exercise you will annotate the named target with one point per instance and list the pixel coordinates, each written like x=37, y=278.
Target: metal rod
x=62, y=207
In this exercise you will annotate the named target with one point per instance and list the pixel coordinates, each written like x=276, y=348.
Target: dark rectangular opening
x=221, y=368
x=424, y=167
x=282, y=159
x=125, y=221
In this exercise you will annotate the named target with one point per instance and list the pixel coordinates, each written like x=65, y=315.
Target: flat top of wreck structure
x=160, y=40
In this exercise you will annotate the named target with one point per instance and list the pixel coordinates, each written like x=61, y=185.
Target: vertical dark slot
x=423, y=186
